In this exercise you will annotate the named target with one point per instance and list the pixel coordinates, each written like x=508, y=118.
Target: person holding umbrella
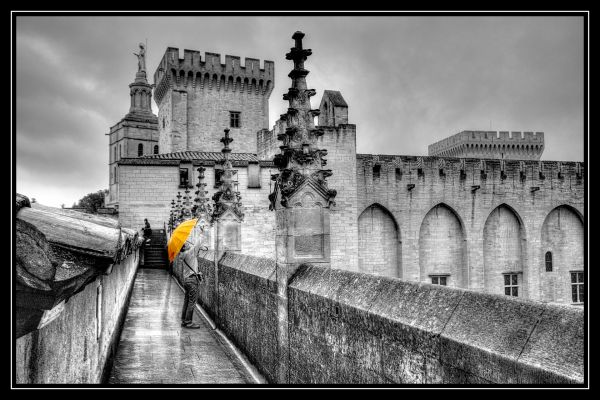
x=191, y=283
x=191, y=276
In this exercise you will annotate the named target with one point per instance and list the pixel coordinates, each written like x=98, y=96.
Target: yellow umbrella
x=179, y=236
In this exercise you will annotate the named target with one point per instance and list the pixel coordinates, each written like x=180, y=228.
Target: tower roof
x=336, y=98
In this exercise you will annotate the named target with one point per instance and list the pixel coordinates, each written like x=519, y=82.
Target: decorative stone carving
x=141, y=58
x=300, y=161
x=227, y=198
x=202, y=207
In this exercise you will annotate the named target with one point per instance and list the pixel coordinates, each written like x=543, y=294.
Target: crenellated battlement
x=478, y=169
x=491, y=144
x=192, y=71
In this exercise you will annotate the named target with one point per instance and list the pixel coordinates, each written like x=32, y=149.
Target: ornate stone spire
x=300, y=160
x=226, y=198
x=202, y=207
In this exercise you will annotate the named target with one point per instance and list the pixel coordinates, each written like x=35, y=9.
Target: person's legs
x=191, y=285
x=191, y=290
x=185, y=306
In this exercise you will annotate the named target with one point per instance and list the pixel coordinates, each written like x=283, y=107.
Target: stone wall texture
x=69, y=349
x=195, y=98
x=474, y=227
x=348, y=327
x=146, y=191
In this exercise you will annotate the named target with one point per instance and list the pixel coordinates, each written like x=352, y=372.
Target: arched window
x=155, y=149
x=548, y=261
x=140, y=150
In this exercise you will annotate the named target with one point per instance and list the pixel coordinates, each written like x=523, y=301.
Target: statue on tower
x=141, y=58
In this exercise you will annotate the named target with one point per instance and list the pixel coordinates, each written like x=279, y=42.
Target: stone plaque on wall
x=309, y=220
x=308, y=246
x=231, y=237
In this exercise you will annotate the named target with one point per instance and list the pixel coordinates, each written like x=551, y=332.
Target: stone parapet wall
x=69, y=349
x=348, y=327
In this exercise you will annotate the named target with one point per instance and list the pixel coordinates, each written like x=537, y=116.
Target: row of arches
x=443, y=250
x=491, y=148
x=220, y=82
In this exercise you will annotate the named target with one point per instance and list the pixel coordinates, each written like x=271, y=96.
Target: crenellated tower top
x=210, y=73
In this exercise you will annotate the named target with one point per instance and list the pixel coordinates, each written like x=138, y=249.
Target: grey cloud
x=409, y=81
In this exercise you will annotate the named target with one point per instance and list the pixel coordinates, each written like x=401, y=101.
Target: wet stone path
x=155, y=349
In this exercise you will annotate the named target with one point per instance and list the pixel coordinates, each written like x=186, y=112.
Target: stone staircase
x=155, y=252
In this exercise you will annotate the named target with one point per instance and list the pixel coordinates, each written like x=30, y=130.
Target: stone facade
x=146, y=191
x=473, y=225
x=465, y=222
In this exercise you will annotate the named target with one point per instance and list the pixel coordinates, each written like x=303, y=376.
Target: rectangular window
x=439, y=280
x=234, y=119
x=577, y=288
x=183, y=177
x=398, y=174
x=376, y=171
x=511, y=285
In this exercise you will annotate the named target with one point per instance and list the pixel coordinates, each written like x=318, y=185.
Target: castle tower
x=136, y=134
x=491, y=144
x=197, y=97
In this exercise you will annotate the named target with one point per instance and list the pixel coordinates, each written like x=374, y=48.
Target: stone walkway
x=154, y=348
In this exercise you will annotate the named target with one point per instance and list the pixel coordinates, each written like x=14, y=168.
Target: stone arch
x=230, y=83
x=238, y=83
x=222, y=82
x=247, y=85
x=190, y=79
x=198, y=78
x=442, y=246
x=504, y=250
x=379, y=242
x=562, y=235
x=253, y=86
x=206, y=82
x=181, y=80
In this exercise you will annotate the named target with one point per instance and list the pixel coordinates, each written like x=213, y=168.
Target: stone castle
x=481, y=212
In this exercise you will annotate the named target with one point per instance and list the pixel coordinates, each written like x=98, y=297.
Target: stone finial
x=202, y=207
x=227, y=197
x=300, y=161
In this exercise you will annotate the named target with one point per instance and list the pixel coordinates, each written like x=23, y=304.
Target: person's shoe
x=193, y=326
x=185, y=323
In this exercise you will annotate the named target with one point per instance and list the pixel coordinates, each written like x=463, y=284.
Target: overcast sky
x=408, y=81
